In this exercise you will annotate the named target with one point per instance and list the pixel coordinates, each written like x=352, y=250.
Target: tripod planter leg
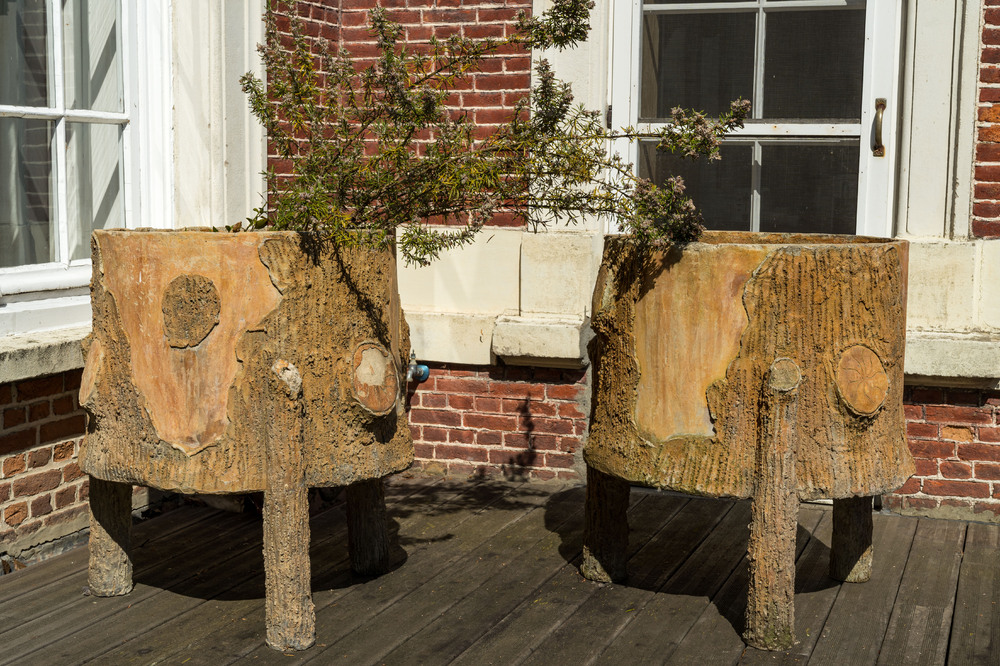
x=289, y=612
x=110, y=531
x=367, y=528
x=605, y=534
x=770, y=623
x=851, y=552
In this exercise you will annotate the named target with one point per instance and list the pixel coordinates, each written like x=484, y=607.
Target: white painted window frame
x=147, y=170
x=876, y=180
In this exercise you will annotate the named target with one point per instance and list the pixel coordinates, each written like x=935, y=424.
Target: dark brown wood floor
x=487, y=575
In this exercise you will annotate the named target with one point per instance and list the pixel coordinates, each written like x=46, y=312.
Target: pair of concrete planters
x=744, y=366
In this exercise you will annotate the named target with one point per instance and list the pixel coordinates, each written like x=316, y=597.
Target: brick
x=985, y=228
x=956, y=470
x=926, y=395
x=15, y=514
x=983, y=452
x=926, y=467
x=462, y=402
x=39, y=457
x=911, y=486
x=38, y=410
x=63, y=451
x=62, y=406
x=564, y=392
x=517, y=390
x=991, y=36
x=521, y=81
x=986, y=208
x=987, y=507
x=456, y=385
x=434, y=434
x=467, y=453
x=71, y=472
x=489, y=422
x=989, y=173
x=571, y=410
x=487, y=438
x=553, y=426
x=563, y=460
x=422, y=450
x=39, y=387
x=956, y=488
x=5, y=492
x=14, y=417
x=490, y=405
x=84, y=493
x=65, y=497
x=988, y=434
x=37, y=483
x=913, y=412
x=922, y=430
x=456, y=436
x=925, y=448
x=955, y=414
x=18, y=440
x=956, y=434
x=987, y=471
x=71, y=426
x=921, y=503
x=433, y=400
x=990, y=94
x=41, y=506
x=14, y=465
x=6, y=394
x=435, y=417
x=987, y=190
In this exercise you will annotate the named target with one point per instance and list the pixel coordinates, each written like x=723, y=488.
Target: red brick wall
x=500, y=420
x=487, y=96
x=954, y=435
x=986, y=201
x=40, y=483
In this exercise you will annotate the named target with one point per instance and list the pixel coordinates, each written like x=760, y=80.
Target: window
x=74, y=88
x=814, y=71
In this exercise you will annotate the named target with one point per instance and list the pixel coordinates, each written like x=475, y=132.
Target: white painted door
x=816, y=71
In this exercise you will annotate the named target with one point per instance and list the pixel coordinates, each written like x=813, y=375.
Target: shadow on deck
x=486, y=574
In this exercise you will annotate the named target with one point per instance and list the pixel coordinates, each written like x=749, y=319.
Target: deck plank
x=721, y=624
x=921, y=617
x=228, y=628
x=854, y=631
x=652, y=635
x=515, y=636
x=489, y=576
x=975, y=631
x=587, y=632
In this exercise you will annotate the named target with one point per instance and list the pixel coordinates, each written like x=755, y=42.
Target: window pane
x=719, y=188
x=809, y=188
x=27, y=202
x=24, y=53
x=814, y=64
x=94, y=182
x=91, y=55
x=695, y=61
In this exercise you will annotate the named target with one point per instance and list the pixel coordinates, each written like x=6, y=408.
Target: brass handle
x=878, y=150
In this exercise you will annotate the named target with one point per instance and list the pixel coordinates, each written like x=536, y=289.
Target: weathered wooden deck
x=489, y=577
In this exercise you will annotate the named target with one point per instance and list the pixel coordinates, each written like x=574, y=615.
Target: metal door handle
x=878, y=150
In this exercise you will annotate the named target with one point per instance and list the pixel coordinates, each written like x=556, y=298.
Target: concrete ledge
x=38, y=354
x=550, y=342
x=952, y=358
x=454, y=337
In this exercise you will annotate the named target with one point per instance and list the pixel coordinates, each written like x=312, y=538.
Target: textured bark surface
x=174, y=412
x=605, y=532
x=367, y=528
x=288, y=607
x=110, y=531
x=684, y=340
x=770, y=617
x=851, y=550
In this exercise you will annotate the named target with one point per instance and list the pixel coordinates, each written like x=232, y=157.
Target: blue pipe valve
x=416, y=372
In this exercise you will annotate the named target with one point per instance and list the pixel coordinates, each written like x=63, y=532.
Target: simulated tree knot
x=289, y=376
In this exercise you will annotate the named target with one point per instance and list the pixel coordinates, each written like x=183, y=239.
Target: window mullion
x=755, y=187
x=59, y=150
